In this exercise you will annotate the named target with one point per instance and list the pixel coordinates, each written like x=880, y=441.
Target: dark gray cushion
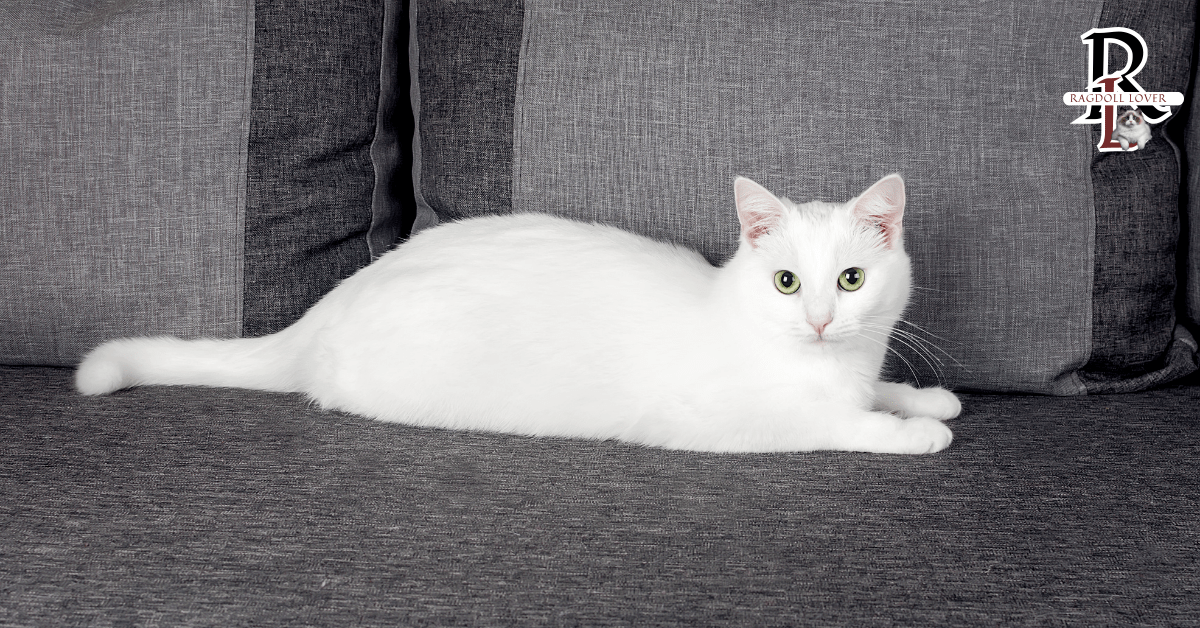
x=190, y=170
x=1191, y=158
x=191, y=506
x=1041, y=264
x=312, y=123
x=1135, y=340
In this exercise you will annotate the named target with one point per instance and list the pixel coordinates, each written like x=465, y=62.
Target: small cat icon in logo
x=1132, y=131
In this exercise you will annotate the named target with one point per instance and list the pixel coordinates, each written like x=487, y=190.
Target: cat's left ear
x=758, y=210
x=881, y=208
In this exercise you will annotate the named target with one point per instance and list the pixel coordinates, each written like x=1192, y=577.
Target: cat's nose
x=820, y=322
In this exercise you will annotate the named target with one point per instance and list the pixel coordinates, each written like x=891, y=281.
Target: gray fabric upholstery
x=188, y=169
x=317, y=78
x=170, y=506
x=123, y=141
x=1137, y=202
x=464, y=62
x=1191, y=239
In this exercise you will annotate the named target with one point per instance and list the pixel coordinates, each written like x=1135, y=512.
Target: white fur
x=1131, y=131
x=537, y=325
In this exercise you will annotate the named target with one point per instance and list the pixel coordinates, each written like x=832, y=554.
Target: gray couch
x=212, y=169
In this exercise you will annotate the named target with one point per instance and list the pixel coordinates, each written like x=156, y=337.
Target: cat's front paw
x=923, y=435
x=906, y=401
x=936, y=403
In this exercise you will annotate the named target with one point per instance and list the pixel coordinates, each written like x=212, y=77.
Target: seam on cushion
x=243, y=192
x=385, y=145
x=425, y=217
x=519, y=98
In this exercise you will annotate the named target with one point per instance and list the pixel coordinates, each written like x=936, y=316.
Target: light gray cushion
x=125, y=139
x=195, y=169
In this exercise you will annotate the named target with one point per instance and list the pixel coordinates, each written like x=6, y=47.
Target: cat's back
x=534, y=233
x=500, y=304
x=530, y=248
x=503, y=274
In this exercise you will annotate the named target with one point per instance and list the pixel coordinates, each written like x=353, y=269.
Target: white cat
x=537, y=325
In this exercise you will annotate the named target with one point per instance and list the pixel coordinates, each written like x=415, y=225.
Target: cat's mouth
x=822, y=339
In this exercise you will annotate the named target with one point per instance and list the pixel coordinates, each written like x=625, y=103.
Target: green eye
x=786, y=282
x=852, y=279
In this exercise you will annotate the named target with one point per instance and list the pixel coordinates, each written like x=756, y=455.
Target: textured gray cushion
x=1135, y=340
x=1192, y=234
x=182, y=168
x=211, y=507
x=1030, y=275
x=124, y=142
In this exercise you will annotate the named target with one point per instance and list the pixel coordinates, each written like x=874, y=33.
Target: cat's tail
x=266, y=363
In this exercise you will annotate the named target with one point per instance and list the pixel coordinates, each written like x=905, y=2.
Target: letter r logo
x=1112, y=88
x=1103, y=78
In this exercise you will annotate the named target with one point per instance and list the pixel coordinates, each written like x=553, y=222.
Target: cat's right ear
x=881, y=208
x=758, y=210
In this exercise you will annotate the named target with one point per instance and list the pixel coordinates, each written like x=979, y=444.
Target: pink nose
x=819, y=323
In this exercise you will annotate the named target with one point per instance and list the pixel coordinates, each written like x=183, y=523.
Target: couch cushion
x=1041, y=264
x=186, y=169
x=1192, y=235
x=1135, y=339
x=215, y=507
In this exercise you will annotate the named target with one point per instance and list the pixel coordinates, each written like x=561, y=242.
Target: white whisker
x=884, y=344
x=934, y=346
x=920, y=344
x=916, y=348
x=928, y=351
x=923, y=330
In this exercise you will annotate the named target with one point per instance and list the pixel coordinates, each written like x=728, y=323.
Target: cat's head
x=824, y=273
x=1132, y=117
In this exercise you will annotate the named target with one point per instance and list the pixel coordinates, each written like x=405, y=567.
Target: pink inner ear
x=758, y=210
x=881, y=207
x=758, y=226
